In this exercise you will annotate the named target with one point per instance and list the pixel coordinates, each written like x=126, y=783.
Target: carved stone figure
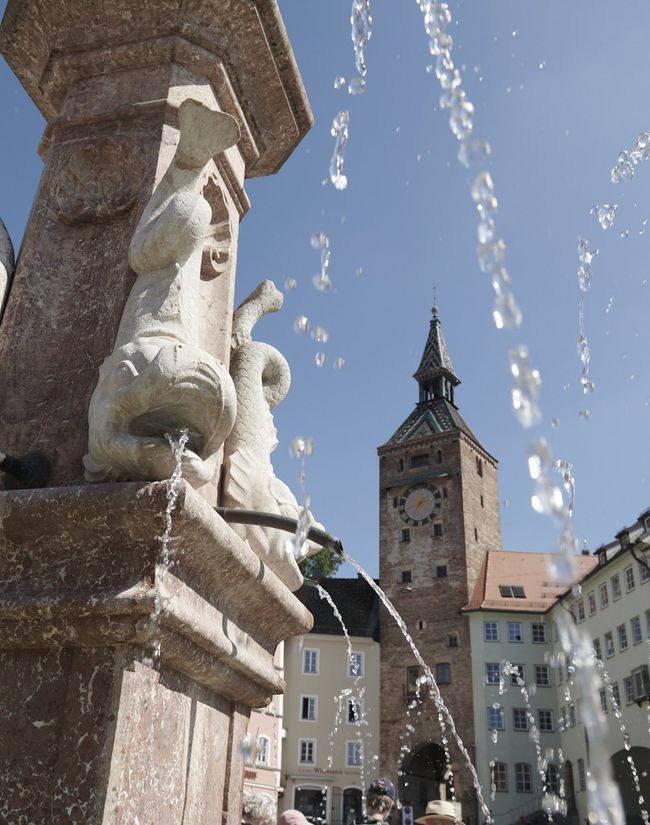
x=262, y=378
x=6, y=266
x=158, y=379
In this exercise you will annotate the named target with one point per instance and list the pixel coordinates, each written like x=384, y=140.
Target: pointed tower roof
x=435, y=411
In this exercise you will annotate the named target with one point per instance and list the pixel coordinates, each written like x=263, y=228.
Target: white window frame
x=538, y=625
x=540, y=711
x=628, y=687
x=623, y=641
x=519, y=715
x=644, y=573
x=603, y=589
x=521, y=674
x=501, y=774
x=502, y=718
x=610, y=650
x=580, y=610
x=547, y=670
x=617, y=590
x=359, y=749
x=485, y=633
x=316, y=651
x=489, y=681
x=591, y=603
x=266, y=752
x=313, y=744
x=630, y=581
x=511, y=626
x=523, y=775
x=362, y=664
x=359, y=702
x=304, y=696
x=635, y=621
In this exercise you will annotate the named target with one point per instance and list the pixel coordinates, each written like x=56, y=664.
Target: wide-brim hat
x=439, y=810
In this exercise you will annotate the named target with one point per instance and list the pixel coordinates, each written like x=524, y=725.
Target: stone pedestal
x=125, y=686
x=109, y=78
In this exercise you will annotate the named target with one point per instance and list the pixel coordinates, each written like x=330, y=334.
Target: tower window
x=421, y=460
x=479, y=466
x=443, y=673
x=482, y=502
x=412, y=677
x=406, y=535
x=437, y=530
x=421, y=624
x=394, y=501
x=452, y=640
x=440, y=571
x=475, y=534
x=401, y=465
x=439, y=457
x=405, y=577
x=444, y=492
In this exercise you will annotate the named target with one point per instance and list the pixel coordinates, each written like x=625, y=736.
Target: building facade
x=331, y=743
x=439, y=515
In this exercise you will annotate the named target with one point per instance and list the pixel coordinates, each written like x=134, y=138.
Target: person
x=380, y=799
x=258, y=809
x=292, y=817
x=439, y=812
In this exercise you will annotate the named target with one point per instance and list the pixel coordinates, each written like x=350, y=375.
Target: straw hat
x=439, y=810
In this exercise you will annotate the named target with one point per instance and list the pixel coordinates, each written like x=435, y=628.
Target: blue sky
x=559, y=89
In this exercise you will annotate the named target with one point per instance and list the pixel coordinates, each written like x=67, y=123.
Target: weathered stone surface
x=96, y=727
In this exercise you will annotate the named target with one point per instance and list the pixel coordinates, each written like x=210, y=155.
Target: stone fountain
x=126, y=683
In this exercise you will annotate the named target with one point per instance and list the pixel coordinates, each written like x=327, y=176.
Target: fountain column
x=125, y=683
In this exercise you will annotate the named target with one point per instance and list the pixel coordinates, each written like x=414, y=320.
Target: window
x=421, y=624
x=482, y=502
x=439, y=457
x=421, y=460
x=452, y=640
x=495, y=718
x=515, y=632
x=629, y=579
x=412, y=676
x=490, y=631
x=604, y=595
x=499, y=776
x=580, y=605
x=443, y=673
x=598, y=654
x=628, y=687
x=406, y=536
x=506, y=591
x=523, y=777
x=609, y=645
x=309, y=708
x=437, y=531
x=355, y=710
x=263, y=750
x=312, y=802
x=307, y=752
x=479, y=466
x=475, y=534
x=519, y=719
x=644, y=573
x=354, y=754
x=582, y=779
x=616, y=587
x=641, y=682
x=617, y=695
x=512, y=591
x=355, y=664
x=603, y=700
x=545, y=720
x=647, y=622
x=440, y=571
x=394, y=501
x=517, y=672
x=310, y=661
x=542, y=675
x=539, y=633
x=405, y=577
x=591, y=601
x=622, y=637
x=492, y=674
x=572, y=715
x=635, y=624
x=553, y=779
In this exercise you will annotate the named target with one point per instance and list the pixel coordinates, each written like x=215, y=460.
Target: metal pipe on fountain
x=289, y=525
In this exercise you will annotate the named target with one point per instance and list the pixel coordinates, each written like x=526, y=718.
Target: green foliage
x=324, y=563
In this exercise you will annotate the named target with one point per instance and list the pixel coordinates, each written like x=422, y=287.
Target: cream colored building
x=331, y=706
x=510, y=627
x=613, y=610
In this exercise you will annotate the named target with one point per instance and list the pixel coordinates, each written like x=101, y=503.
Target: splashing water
x=605, y=213
x=339, y=82
x=361, y=32
x=585, y=258
x=340, y=132
x=566, y=471
x=301, y=325
x=321, y=242
x=625, y=167
x=339, y=363
x=525, y=387
x=177, y=445
x=320, y=334
x=290, y=283
x=443, y=712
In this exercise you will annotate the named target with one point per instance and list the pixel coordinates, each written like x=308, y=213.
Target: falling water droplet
x=319, y=359
x=357, y=86
x=301, y=325
x=322, y=282
x=290, y=283
x=339, y=82
x=525, y=387
x=339, y=131
x=474, y=152
x=320, y=334
x=358, y=271
x=301, y=446
x=609, y=305
x=605, y=213
x=625, y=233
x=339, y=363
x=555, y=422
x=584, y=413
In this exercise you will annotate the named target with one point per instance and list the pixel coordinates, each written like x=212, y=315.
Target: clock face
x=418, y=505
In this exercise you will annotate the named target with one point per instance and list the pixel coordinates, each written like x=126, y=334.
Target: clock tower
x=439, y=514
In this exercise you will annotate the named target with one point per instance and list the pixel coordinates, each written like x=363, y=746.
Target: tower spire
x=435, y=373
